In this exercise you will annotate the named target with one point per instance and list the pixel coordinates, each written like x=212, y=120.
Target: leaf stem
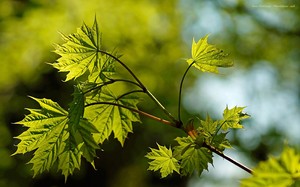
x=128, y=93
x=219, y=128
x=99, y=86
x=135, y=110
x=180, y=90
x=178, y=123
x=128, y=81
x=126, y=67
x=238, y=164
x=111, y=81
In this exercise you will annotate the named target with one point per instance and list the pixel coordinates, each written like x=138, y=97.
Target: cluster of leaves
x=193, y=153
x=65, y=136
x=62, y=137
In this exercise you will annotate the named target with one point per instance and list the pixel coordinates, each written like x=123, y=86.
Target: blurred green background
x=155, y=36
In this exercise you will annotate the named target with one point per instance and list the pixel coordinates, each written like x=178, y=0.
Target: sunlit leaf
x=208, y=127
x=163, y=160
x=109, y=116
x=282, y=172
x=56, y=135
x=207, y=57
x=81, y=129
x=192, y=157
x=80, y=53
x=232, y=117
x=209, y=130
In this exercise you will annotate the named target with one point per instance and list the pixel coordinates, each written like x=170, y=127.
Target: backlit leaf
x=209, y=130
x=207, y=57
x=108, y=116
x=192, y=157
x=80, y=53
x=163, y=160
x=232, y=118
x=81, y=129
x=282, y=172
x=57, y=136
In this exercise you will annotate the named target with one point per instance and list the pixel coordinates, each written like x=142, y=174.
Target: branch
x=212, y=149
x=135, y=110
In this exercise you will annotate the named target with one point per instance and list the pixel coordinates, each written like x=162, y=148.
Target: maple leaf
x=208, y=129
x=40, y=123
x=80, y=53
x=57, y=135
x=163, y=160
x=109, y=116
x=232, y=117
x=191, y=156
x=280, y=172
x=81, y=129
x=208, y=58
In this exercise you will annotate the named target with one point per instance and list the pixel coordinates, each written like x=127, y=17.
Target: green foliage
x=232, y=118
x=57, y=135
x=109, y=115
x=65, y=137
x=62, y=137
x=207, y=58
x=283, y=171
x=192, y=153
x=80, y=53
x=97, y=111
x=192, y=156
x=163, y=160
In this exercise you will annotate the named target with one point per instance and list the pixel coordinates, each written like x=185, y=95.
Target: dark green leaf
x=192, y=157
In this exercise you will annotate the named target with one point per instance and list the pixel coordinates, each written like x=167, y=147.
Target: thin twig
x=135, y=110
x=212, y=149
x=180, y=90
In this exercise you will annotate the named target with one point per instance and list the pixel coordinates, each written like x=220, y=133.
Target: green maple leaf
x=208, y=129
x=108, y=116
x=207, y=57
x=163, y=160
x=191, y=156
x=80, y=53
x=282, y=172
x=220, y=142
x=41, y=123
x=81, y=129
x=57, y=135
x=232, y=118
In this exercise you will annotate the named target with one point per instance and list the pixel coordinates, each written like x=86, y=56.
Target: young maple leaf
x=232, y=118
x=280, y=172
x=208, y=129
x=163, y=160
x=57, y=135
x=191, y=156
x=109, y=116
x=208, y=58
x=81, y=53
